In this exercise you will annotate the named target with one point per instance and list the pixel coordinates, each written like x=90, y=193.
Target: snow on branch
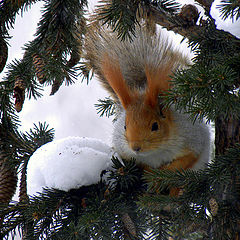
x=68, y=163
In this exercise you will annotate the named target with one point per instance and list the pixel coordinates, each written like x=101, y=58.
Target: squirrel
x=136, y=72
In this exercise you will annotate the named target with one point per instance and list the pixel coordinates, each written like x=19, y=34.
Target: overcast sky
x=71, y=110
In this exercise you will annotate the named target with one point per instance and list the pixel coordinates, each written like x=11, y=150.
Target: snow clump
x=68, y=163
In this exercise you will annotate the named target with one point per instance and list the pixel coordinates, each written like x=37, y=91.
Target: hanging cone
x=55, y=86
x=19, y=93
x=3, y=55
x=23, y=197
x=213, y=206
x=19, y=3
x=129, y=224
x=189, y=14
x=39, y=66
x=8, y=183
x=74, y=59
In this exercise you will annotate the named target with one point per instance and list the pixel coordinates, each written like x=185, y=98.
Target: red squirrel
x=136, y=73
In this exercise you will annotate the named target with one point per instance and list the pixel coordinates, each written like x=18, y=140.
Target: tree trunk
x=227, y=134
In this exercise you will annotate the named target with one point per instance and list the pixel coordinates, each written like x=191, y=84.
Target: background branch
x=176, y=24
x=206, y=4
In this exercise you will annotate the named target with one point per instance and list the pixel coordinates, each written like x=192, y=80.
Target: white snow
x=68, y=163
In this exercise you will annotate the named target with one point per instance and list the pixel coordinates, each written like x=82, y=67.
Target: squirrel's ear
x=112, y=72
x=158, y=81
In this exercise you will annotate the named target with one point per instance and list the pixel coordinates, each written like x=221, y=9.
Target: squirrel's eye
x=155, y=126
x=125, y=127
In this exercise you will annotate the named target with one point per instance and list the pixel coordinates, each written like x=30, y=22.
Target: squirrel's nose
x=136, y=148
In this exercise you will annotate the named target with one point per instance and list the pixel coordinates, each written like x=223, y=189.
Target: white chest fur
x=194, y=137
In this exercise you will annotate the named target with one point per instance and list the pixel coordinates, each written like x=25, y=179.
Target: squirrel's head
x=147, y=127
x=147, y=124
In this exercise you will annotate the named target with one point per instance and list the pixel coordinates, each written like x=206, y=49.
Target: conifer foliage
x=127, y=203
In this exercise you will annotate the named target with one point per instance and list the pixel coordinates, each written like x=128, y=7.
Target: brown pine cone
x=19, y=93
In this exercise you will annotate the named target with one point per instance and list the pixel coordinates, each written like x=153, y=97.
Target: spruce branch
x=120, y=15
x=3, y=53
x=175, y=24
x=9, y=10
x=53, y=54
x=22, y=70
x=8, y=117
x=170, y=6
x=200, y=84
x=207, y=198
x=18, y=147
x=128, y=176
x=39, y=135
x=85, y=73
x=106, y=107
x=165, y=13
x=229, y=8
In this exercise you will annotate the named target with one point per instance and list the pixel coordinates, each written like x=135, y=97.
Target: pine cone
x=19, y=93
x=3, y=55
x=23, y=197
x=55, y=86
x=129, y=224
x=8, y=183
x=19, y=3
x=75, y=58
x=189, y=14
x=39, y=68
x=213, y=206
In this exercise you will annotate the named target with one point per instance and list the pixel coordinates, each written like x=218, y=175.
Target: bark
x=176, y=24
x=206, y=4
x=227, y=134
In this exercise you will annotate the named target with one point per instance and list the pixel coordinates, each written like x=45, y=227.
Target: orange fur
x=139, y=120
x=184, y=162
x=112, y=73
x=158, y=81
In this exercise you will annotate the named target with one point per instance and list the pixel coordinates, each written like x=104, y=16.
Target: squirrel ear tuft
x=112, y=72
x=158, y=81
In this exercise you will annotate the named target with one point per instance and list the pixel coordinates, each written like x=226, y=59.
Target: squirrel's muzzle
x=136, y=149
